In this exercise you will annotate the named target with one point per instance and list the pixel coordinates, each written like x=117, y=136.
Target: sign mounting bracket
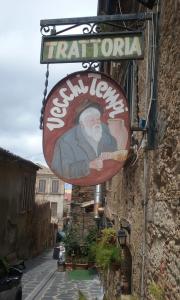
x=48, y=26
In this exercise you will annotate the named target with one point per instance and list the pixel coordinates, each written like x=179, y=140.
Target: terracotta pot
x=69, y=266
x=91, y=265
x=81, y=266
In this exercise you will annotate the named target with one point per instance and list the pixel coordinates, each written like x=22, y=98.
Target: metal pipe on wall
x=144, y=224
x=148, y=142
x=97, y=200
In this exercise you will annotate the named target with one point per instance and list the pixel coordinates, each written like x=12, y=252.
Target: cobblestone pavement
x=64, y=289
x=41, y=280
x=38, y=271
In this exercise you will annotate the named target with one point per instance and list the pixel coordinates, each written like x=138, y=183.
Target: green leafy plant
x=89, y=241
x=79, y=250
x=91, y=236
x=156, y=291
x=108, y=236
x=72, y=243
x=4, y=267
x=105, y=251
x=4, y=264
x=81, y=296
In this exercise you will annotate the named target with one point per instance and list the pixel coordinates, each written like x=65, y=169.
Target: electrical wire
x=150, y=67
x=145, y=198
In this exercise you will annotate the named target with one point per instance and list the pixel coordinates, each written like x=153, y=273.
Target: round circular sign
x=86, y=131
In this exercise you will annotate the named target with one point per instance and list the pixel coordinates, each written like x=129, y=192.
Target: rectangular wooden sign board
x=94, y=47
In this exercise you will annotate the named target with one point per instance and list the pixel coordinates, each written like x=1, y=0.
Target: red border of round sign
x=88, y=180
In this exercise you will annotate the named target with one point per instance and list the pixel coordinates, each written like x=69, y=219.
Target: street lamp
x=148, y=3
x=122, y=236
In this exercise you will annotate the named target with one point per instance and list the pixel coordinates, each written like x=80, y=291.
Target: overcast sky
x=22, y=76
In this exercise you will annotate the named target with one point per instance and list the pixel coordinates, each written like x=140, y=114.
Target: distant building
x=68, y=192
x=49, y=188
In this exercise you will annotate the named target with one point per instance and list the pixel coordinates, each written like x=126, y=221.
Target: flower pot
x=69, y=266
x=81, y=266
x=91, y=265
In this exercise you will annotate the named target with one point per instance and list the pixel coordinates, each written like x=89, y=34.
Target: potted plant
x=78, y=252
x=105, y=251
x=84, y=259
x=72, y=247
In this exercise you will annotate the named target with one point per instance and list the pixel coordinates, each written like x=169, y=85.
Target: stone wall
x=153, y=177
x=163, y=230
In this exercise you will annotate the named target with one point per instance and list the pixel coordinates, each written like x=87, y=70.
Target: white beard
x=95, y=132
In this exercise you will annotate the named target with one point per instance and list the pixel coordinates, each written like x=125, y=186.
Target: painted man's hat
x=87, y=104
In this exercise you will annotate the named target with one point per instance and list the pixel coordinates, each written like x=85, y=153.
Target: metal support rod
x=97, y=200
x=144, y=222
x=97, y=19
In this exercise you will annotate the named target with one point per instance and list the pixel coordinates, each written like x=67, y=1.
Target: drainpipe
x=97, y=201
x=149, y=139
x=144, y=225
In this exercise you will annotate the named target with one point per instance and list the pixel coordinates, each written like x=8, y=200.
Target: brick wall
x=83, y=221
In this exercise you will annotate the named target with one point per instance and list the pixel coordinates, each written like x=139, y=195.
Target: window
x=54, y=209
x=42, y=186
x=55, y=186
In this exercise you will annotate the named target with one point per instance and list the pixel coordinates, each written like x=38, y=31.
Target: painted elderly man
x=83, y=147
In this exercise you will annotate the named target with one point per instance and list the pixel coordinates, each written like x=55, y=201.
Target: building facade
x=49, y=188
x=145, y=193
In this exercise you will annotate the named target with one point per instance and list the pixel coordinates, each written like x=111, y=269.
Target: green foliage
x=92, y=252
x=156, y=291
x=107, y=255
x=89, y=242
x=72, y=242
x=108, y=236
x=104, y=251
x=80, y=249
x=91, y=236
x=4, y=267
x=81, y=296
x=4, y=264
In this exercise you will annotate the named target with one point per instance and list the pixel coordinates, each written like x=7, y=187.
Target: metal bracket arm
x=97, y=19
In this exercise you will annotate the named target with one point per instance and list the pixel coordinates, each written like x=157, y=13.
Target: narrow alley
x=89, y=150
x=42, y=280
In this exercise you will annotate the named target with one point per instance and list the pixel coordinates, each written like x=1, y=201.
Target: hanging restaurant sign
x=99, y=47
x=86, y=129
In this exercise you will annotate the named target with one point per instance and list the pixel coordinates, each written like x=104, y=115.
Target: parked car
x=10, y=283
